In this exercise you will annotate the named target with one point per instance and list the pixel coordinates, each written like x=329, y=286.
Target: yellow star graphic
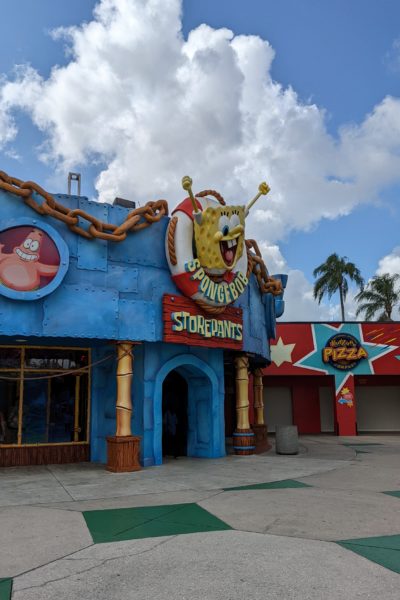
x=281, y=352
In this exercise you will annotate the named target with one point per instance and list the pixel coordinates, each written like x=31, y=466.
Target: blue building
x=67, y=300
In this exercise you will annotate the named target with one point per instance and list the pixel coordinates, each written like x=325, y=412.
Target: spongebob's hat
x=263, y=190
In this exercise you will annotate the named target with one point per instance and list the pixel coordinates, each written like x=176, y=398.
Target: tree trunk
x=341, y=302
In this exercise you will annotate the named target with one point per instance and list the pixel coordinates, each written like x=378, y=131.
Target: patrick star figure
x=21, y=270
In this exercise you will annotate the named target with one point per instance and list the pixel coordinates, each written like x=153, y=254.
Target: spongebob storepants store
x=113, y=318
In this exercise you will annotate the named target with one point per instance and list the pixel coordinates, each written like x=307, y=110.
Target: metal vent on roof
x=124, y=203
x=74, y=177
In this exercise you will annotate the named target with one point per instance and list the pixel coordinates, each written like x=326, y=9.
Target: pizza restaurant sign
x=343, y=351
x=185, y=323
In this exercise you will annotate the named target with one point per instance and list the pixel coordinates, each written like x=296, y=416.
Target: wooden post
x=260, y=429
x=124, y=388
x=123, y=449
x=243, y=436
x=76, y=407
x=258, y=397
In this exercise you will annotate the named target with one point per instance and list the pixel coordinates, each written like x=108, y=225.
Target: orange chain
x=137, y=219
x=267, y=284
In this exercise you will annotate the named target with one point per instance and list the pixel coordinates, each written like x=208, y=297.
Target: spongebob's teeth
x=230, y=243
x=234, y=242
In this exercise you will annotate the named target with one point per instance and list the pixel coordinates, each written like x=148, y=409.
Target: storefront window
x=9, y=402
x=10, y=358
x=45, y=401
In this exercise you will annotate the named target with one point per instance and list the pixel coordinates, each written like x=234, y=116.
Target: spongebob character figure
x=219, y=238
x=219, y=232
x=205, y=248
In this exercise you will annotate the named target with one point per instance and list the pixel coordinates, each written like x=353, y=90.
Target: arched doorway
x=175, y=415
x=205, y=408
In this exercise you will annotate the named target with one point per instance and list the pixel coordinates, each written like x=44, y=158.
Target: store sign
x=223, y=292
x=205, y=247
x=185, y=323
x=33, y=259
x=206, y=251
x=343, y=351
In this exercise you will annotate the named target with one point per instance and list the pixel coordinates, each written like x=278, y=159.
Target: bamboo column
x=258, y=397
x=243, y=436
x=123, y=449
x=124, y=388
x=259, y=427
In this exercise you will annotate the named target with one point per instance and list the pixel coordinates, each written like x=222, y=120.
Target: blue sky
x=341, y=56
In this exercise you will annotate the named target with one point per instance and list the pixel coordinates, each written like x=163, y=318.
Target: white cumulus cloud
x=151, y=106
x=390, y=263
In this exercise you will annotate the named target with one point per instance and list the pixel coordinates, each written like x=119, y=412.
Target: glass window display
x=40, y=402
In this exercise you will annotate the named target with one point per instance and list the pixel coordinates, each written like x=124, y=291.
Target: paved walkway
x=322, y=524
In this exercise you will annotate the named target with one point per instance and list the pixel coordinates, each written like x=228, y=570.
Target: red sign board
x=186, y=323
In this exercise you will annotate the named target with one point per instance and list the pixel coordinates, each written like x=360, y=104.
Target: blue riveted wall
x=152, y=362
x=113, y=291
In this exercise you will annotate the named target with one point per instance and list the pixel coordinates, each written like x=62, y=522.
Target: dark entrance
x=175, y=415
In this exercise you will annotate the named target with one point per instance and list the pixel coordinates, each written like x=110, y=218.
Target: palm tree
x=380, y=296
x=332, y=276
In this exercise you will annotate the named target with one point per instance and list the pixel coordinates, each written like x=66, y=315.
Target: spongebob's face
x=219, y=238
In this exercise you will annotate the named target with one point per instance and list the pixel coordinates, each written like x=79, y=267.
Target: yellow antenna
x=187, y=186
x=263, y=190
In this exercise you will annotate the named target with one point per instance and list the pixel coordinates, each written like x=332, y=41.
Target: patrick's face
x=29, y=250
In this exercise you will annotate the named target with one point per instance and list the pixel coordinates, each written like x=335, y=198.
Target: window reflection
x=46, y=358
x=9, y=401
x=54, y=408
x=10, y=358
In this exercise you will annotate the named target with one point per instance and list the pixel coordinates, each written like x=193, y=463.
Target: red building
x=341, y=378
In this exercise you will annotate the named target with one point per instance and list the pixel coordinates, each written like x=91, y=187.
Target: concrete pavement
x=282, y=542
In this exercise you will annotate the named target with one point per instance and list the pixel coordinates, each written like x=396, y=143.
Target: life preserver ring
x=212, y=288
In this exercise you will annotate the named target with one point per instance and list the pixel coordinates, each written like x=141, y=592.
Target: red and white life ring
x=215, y=288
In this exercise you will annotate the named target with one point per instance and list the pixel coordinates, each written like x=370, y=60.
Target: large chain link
x=137, y=219
x=266, y=283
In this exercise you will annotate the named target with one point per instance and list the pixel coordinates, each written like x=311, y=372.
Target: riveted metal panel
x=144, y=247
x=21, y=318
x=256, y=311
x=79, y=311
x=92, y=253
x=136, y=320
x=69, y=236
x=270, y=319
x=122, y=278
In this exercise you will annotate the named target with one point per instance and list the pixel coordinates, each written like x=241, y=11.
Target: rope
x=211, y=310
x=216, y=195
x=69, y=372
x=171, y=240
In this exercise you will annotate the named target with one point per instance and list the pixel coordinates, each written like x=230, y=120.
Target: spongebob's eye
x=34, y=245
x=223, y=225
x=27, y=243
x=234, y=221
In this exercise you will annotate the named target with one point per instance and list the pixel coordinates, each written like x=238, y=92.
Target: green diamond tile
x=120, y=524
x=5, y=589
x=270, y=485
x=363, y=444
x=384, y=550
x=395, y=494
